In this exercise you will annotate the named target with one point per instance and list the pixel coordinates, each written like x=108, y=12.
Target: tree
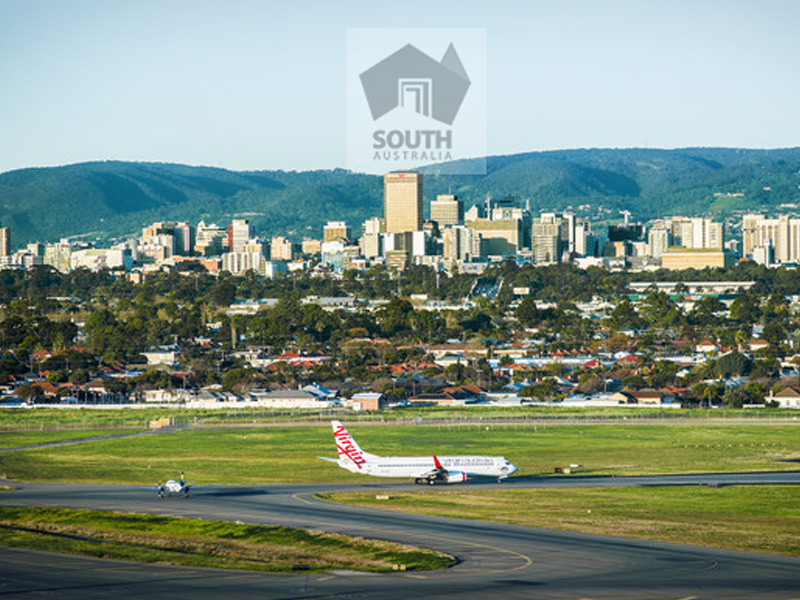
x=745, y=309
x=624, y=315
x=223, y=293
x=660, y=311
x=28, y=391
x=527, y=314
x=708, y=392
x=706, y=312
x=733, y=363
x=237, y=380
x=774, y=333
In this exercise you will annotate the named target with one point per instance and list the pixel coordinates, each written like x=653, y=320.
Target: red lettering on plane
x=346, y=446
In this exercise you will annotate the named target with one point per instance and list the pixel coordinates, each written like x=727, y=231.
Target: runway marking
x=416, y=576
x=527, y=561
x=688, y=598
x=297, y=497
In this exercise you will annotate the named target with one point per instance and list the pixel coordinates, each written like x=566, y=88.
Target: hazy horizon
x=335, y=168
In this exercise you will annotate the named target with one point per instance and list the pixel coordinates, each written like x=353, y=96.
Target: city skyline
x=238, y=87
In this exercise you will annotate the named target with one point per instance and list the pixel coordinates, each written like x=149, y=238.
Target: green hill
x=105, y=199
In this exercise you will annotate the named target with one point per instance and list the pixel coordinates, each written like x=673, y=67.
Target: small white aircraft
x=173, y=486
x=422, y=469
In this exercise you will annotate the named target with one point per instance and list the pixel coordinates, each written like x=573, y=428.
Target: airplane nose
x=514, y=469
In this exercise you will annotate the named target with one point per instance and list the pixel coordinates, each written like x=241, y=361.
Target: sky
x=247, y=84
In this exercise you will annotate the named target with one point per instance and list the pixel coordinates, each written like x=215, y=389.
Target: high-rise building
x=184, y=239
x=696, y=233
x=177, y=236
x=280, y=248
x=310, y=246
x=402, y=202
x=779, y=237
x=371, y=242
x=446, y=210
x=211, y=239
x=658, y=240
x=5, y=242
x=547, y=239
x=461, y=244
x=336, y=231
x=58, y=255
x=239, y=231
x=501, y=237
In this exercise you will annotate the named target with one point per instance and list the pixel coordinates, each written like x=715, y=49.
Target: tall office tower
x=658, y=240
x=751, y=229
x=706, y=234
x=547, y=239
x=371, y=242
x=58, y=255
x=461, y=243
x=211, y=239
x=402, y=202
x=781, y=236
x=184, y=239
x=696, y=233
x=5, y=242
x=239, y=231
x=575, y=233
x=446, y=210
x=336, y=231
x=682, y=231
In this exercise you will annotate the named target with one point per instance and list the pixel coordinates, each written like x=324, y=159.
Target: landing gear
x=425, y=480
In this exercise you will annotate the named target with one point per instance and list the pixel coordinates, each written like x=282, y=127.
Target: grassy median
x=288, y=454
x=754, y=518
x=201, y=543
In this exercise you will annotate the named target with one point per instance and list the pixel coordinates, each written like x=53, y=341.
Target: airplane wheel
x=419, y=481
x=431, y=482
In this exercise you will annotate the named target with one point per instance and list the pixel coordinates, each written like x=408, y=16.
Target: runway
x=496, y=560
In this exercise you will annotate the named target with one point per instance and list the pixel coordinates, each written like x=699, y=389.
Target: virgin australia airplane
x=422, y=469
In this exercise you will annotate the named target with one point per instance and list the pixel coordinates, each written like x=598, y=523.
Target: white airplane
x=422, y=469
x=173, y=486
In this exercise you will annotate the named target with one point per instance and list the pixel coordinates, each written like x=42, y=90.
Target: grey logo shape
x=411, y=78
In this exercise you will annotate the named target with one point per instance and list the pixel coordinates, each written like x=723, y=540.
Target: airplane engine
x=455, y=477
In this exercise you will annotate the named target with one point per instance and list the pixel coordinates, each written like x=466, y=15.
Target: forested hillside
x=117, y=198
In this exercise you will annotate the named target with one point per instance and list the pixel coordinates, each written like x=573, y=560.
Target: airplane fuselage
x=422, y=466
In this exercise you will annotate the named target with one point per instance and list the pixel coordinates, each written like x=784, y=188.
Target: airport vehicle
x=422, y=469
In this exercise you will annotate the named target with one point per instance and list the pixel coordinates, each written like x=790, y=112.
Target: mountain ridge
x=119, y=197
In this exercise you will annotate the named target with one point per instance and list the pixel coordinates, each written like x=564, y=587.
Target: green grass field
x=13, y=419
x=15, y=439
x=288, y=454
x=202, y=543
x=756, y=518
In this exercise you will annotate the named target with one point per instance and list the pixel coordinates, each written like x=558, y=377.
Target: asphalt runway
x=496, y=560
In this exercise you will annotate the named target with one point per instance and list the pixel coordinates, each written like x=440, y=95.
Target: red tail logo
x=346, y=445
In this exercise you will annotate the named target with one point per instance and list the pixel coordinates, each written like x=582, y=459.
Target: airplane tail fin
x=348, y=448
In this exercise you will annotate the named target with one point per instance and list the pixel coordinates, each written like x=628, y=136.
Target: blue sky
x=261, y=85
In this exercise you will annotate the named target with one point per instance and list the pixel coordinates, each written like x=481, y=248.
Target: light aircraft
x=173, y=486
x=422, y=469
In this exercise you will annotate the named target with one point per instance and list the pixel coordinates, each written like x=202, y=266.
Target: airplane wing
x=438, y=470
